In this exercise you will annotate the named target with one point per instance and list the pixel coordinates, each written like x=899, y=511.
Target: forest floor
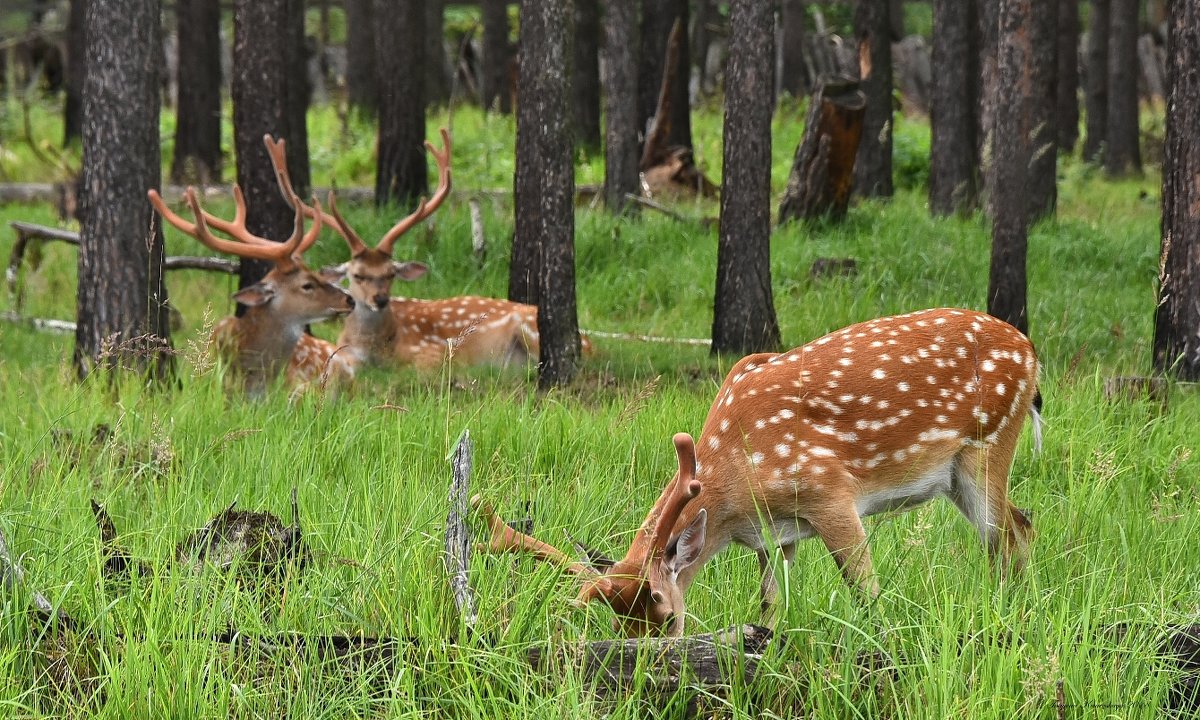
x=1080, y=634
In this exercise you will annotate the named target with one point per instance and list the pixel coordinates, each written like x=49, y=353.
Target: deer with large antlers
x=883, y=415
x=270, y=336
x=386, y=330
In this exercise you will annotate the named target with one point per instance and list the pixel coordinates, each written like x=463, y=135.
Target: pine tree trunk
x=261, y=38
x=873, y=169
x=744, y=310
x=621, y=130
x=1177, y=318
x=298, y=96
x=362, y=80
x=795, y=73
x=954, y=122
x=121, y=299
x=76, y=71
x=989, y=38
x=1095, y=92
x=586, y=81
x=544, y=187
x=706, y=14
x=401, y=174
x=437, y=65
x=198, y=127
x=822, y=174
x=1121, y=155
x=1006, y=280
x=658, y=17
x=1043, y=104
x=1068, y=75
x=493, y=65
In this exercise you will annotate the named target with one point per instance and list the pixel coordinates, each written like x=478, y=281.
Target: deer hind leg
x=981, y=492
x=841, y=529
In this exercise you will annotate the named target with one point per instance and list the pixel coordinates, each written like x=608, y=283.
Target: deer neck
x=369, y=333
x=265, y=341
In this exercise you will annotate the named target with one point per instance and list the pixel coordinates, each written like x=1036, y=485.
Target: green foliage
x=910, y=153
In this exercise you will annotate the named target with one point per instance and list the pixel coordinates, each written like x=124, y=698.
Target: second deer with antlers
x=386, y=330
x=882, y=415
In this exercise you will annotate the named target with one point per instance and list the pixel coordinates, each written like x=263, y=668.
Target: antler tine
x=314, y=232
x=682, y=491
x=277, y=150
x=343, y=228
x=504, y=539
x=248, y=245
x=424, y=209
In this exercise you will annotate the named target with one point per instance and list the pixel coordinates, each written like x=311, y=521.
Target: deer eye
x=308, y=287
x=360, y=278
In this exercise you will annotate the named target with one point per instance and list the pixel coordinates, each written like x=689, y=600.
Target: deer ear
x=257, y=294
x=410, y=270
x=334, y=273
x=688, y=544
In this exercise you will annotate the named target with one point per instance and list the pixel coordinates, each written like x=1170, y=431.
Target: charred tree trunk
x=1121, y=156
x=586, y=81
x=794, y=75
x=198, y=127
x=1095, y=92
x=1068, y=75
x=493, y=65
x=76, y=71
x=658, y=17
x=121, y=304
x=954, y=119
x=298, y=96
x=1177, y=319
x=873, y=168
x=744, y=309
x=1043, y=104
x=544, y=189
x=1010, y=218
x=989, y=38
x=706, y=14
x=822, y=174
x=437, y=64
x=261, y=37
x=620, y=104
x=401, y=173
x=362, y=79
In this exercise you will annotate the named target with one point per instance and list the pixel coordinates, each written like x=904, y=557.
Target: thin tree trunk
x=1068, y=75
x=298, y=96
x=544, y=187
x=954, y=121
x=1043, y=104
x=586, y=81
x=794, y=75
x=658, y=17
x=989, y=38
x=401, y=175
x=1177, y=318
x=362, y=79
x=1006, y=280
x=197, y=156
x=121, y=302
x=621, y=129
x=1095, y=93
x=744, y=310
x=493, y=65
x=1121, y=155
x=261, y=36
x=76, y=71
x=706, y=13
x=873, y=169
x=437, y=65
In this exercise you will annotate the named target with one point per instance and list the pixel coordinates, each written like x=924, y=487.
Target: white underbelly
x=912, y=491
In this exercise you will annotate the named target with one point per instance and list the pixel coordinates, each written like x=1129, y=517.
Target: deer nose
x=350, y=301
x=381, y=301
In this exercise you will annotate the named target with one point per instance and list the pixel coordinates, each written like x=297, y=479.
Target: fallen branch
x=647, y=338
x=458, y=537
x=12, y=577
x=65, y=327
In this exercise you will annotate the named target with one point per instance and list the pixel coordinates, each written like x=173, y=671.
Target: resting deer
x=882, y=415
x=270, y=335
x=386, y=330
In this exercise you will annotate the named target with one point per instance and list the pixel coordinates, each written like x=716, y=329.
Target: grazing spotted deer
x=270, y=336
x=882, y=415
x=386, y=330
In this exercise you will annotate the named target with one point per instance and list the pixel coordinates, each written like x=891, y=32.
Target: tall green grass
x=1112, y=496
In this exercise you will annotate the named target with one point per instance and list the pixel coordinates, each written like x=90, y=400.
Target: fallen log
x=458, y=537
x=822, y=173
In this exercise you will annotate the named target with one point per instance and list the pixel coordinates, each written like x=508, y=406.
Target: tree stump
x=823, y=170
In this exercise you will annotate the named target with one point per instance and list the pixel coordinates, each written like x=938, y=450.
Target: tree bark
x=873, y=169
x=121, y=300
x=989, y=38
x=76, y=72
x=1006, y=280
x=1043, y=104
x=1068, y=75
x=1177, y=318
x=706, y=14
x=744, y=310
x=298, y=96
x=401, y=173
x=261, y=37
x=544, y=189
x=822, y=173
x=586, y=81
x=794, y=75
x=437, y=65
x=658, y=17
x=1095, y=91
x=198, y=127
x=493, y=65
x=954, y=110
x=621, y=130
x=362, y=80
x=1121, y=156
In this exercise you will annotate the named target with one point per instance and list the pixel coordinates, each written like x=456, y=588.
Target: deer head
x=371, y=269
